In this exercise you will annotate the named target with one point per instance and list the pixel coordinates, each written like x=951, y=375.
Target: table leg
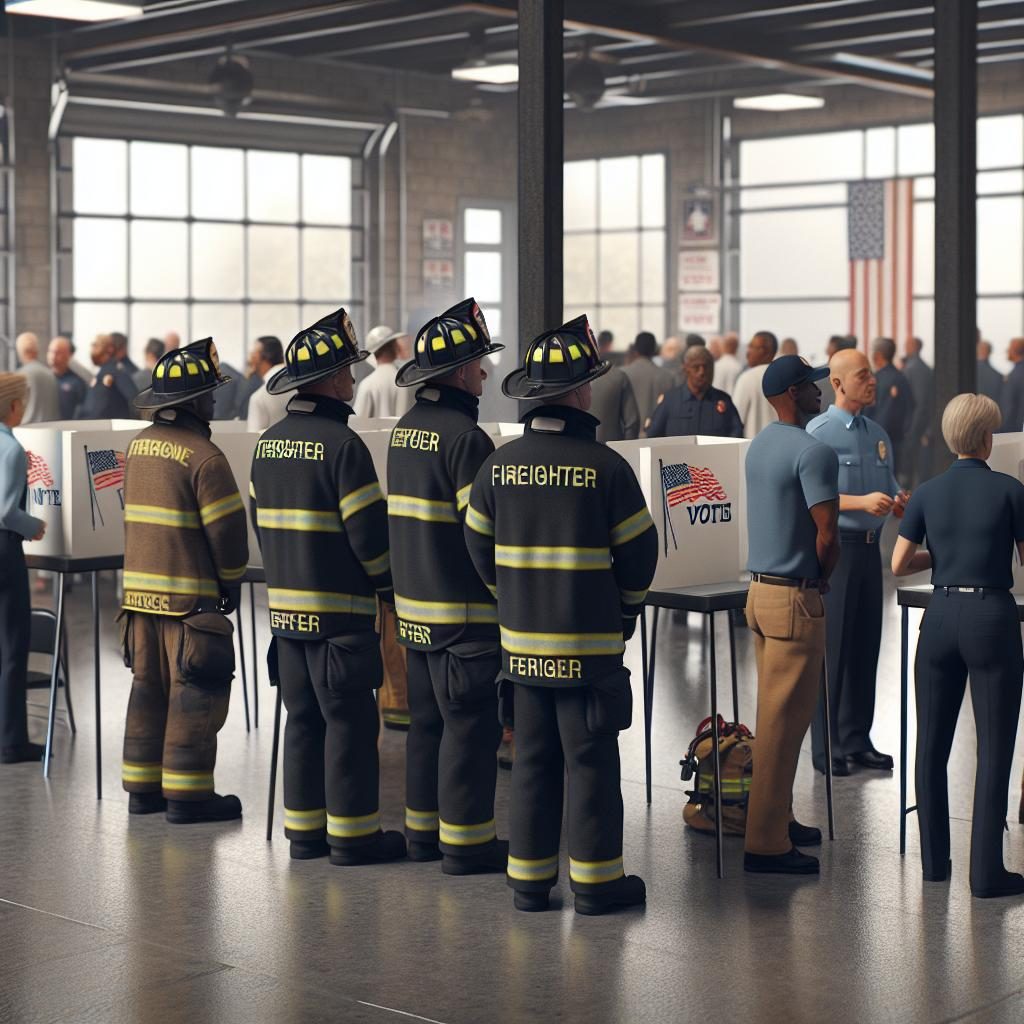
x=241, y=654
x=715, y=740
x=54, y=672
x=96, y=681
x=649, y=698
x=828, y=746
x=904, y=651
x=732, y=661
x=255, y=659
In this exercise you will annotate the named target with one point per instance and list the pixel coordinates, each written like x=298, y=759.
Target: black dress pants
x=976, y=635
x=331, y=766
x=853, y=617
x=15, y=629
x=574, y=730
x=454, y=733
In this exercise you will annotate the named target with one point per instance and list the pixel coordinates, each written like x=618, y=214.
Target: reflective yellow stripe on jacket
x=631, y=527
x=477, y=521
x=285, y=600
x=221, y=508
x=428, y=511
x=377, y=566
x=515, y=557
x=444, y=613
x=305, y=520
x=561, y=644
x=188, y=586
x=462, y=497
x=359, y=499
x=156, y=515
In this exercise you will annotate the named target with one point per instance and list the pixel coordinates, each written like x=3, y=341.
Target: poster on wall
x=438, y=273
x=700, y=313
x=698, y=270
x=438, y=237
x=698, y=220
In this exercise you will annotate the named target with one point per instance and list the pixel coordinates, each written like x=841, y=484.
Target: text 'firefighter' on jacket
x=185, y=536
x=321, y=520
x=558, y=529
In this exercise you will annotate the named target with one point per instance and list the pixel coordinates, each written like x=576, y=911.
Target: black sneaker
x=804, y=835
x=424, y=851
x=308, y=849
x=492, y=859
x=146, y=803
x=792, y=862
x=628, y=891
x=213, y=808
x=21, y=753
x=530, y=902
x=1011, y=884
x=385, y=846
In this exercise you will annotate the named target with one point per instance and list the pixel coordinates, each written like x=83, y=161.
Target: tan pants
x=394, y=694
x=789, y=645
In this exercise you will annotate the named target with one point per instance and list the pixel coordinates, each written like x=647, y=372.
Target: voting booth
x=238, y=444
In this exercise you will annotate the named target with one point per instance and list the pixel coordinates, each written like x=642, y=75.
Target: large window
x=615, y=248
x=205, y=240
x=789, y=236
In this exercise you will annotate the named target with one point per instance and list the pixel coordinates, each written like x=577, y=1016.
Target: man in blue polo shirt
x=696, y=407
x=792, y=500
x=868, y=493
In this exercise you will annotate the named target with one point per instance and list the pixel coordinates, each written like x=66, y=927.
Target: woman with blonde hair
x=973, y=518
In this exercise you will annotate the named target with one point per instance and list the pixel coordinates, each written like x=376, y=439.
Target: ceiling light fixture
x=491, y=74
x=891, y=67
x=75, y=10
x=779, y=101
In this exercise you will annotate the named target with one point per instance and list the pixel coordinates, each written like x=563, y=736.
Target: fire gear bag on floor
x=736, y=760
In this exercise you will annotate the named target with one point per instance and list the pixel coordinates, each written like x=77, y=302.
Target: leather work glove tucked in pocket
x=207, y=656
x=473, y=667
x=610, y=703
x=126, y=636
x=354, y=664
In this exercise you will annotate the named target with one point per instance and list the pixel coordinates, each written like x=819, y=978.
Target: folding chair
x=43, y=641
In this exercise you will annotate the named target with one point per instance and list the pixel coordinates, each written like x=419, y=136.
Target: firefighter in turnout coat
x=185, y=554
x=447, y=619
x=322, y=525
x=559, y=532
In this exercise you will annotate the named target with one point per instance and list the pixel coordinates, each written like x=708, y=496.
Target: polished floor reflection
x=113, y=920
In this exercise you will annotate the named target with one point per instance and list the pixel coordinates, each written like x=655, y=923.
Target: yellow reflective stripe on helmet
x=352, y=828
x=157, y=515
x=230, y=575
x=421, y=821
x=633, y=596
x=631, y=527
x=188, y=586
x=305, y=821
x=377, y=566
x=428, y=511
x=285, y=600
x=187, y=781
x=525, y=557
x=149, y=772
x=304, y=520
x=355, y=501
x=578, y=644
x=462, y=497
x=533, y=870
x=467, y=835
x=221, y=508
x=594, y=872
x=479, y=522
x=444, y=612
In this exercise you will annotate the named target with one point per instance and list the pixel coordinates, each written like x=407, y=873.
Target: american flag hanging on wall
x=880, y=228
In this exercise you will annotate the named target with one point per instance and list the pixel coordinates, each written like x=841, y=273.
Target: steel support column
x=956, y=288
x=540, y=168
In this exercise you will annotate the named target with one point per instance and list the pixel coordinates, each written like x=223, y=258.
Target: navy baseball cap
x=787, y=372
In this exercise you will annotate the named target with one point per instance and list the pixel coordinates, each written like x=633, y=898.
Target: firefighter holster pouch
x=354, y=664
x=610, y=703
x=507, y=703
x=125, y=637
x=207, y=656
x=473, y=667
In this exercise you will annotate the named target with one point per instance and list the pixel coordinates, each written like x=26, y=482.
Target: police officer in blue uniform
x=973, y=520
x=868, y=493
x=696, y=407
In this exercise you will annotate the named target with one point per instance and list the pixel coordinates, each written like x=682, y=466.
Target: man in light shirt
x=378, y=395
x=754, y=409
x=727, y=366
x=265, y=409
x=43, y=403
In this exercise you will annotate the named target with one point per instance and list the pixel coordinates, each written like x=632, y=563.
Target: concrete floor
x=113, y=920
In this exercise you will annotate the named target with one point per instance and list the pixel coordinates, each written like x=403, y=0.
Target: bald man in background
x=727, y=365
x=1011, y=399
x=71, y=388
x=172, y=340
x=43, y=402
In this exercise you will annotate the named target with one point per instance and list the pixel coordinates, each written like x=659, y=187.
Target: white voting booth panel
x=1008, y=457
x=238, y=443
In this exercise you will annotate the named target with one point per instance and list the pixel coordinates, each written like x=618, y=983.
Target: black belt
x=979, y=591
x=858, y=536
x=784, y=581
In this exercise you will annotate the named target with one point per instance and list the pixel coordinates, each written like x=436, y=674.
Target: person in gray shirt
x=990, y=380
x=43, y=404
x=649, y=382
x=612, y=400
x=793, y=533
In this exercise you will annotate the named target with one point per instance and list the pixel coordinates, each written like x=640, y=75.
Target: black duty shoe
x=213, y=808
x=530, y=902
x=873, y=759
x=1011, y=884
x=494, y=858
x=385, y=846
x=21, y=753
x=308, y=849
x=423, y=851
x=628, y=891
x=940, y=875
x=146, y=803
x=839, y=767
x=804, y=835
x=792, y=862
